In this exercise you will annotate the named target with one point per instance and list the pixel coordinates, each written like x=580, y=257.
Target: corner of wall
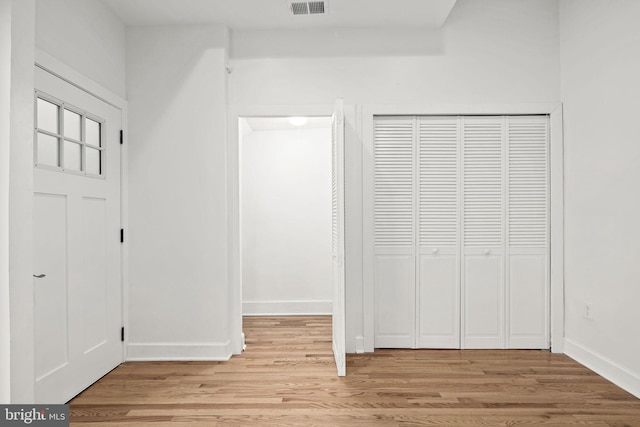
x=598, y=85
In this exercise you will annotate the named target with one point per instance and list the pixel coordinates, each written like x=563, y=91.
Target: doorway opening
x=285, y=215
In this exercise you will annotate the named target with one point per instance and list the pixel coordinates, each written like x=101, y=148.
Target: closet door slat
x=438, y=181
x=393, y=182
x=527, y=176
x=482, y=181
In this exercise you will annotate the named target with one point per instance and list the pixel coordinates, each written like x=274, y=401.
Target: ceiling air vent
x=316, y=7
x=308, y=8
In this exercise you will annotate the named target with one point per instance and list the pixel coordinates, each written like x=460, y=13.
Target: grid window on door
x=68, y=139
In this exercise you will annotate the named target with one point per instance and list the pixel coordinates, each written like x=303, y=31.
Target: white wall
x=5, y=135
x=176, y=86
x=600, y=41
x=21, y=199
x=85, y=35
x=489, y=52
x=286, y=221
x=493, y=51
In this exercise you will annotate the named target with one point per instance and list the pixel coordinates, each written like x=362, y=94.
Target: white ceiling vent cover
x=308, y=8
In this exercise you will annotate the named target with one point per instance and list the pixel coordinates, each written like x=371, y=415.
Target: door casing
x=234, y=253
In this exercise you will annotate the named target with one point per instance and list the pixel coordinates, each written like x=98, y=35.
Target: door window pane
x=93, y=161
x=48, y=150
x=47, y=116
x=72, y=124
x=72, y=156
x=67, y=139
x=92, y=130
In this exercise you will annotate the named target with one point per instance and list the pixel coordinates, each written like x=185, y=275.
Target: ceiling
x=283, y=123
x=275, y=14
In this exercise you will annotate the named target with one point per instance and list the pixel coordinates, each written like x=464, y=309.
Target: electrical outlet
x=588, y=310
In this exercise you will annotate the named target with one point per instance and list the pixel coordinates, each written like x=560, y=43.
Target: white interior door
x=527, y=265
x=438, y=269
x=394, y=232
x=76, y=231
x=338, y=246
x=483, y=230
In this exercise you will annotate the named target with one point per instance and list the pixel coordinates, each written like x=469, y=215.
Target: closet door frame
x=556, y=200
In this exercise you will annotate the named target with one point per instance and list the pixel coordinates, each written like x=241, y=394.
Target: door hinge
x=122, y=235
x=121, y=137
x=122, y=334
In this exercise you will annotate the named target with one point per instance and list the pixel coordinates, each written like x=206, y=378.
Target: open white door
x=338, y=278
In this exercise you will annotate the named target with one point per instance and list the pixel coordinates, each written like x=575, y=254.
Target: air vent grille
x=300, y=8
x=308, y=8
x=316, y=7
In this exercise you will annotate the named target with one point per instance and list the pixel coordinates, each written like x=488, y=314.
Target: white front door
x=76, y=231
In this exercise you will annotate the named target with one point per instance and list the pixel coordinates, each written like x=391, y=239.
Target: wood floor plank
x=287, y=377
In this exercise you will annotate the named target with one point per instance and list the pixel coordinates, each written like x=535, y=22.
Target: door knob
x=39, y=276
x=436, y=250
x=487, y=251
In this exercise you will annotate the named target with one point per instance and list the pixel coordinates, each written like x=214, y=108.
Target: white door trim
x=338, y=328
x=556, y=199
x=68, y=74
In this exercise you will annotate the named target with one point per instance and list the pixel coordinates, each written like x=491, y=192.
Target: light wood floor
x=286, y=377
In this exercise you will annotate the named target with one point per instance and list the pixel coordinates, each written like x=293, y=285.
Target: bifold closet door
x=505, y=275
x=527, y=271
x=482, y=222
x=394, y=232
x=438, y=290
x=461, y=256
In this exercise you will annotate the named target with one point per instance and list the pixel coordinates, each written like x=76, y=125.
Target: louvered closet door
x=527, y=230
x=438, y=296
x=461, y=232
x=482, y=272
x=394, y=232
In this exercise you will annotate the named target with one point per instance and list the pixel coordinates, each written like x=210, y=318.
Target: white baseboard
x=359, y=344
x=617, y=374
x=286, y=308
x=178, y=351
